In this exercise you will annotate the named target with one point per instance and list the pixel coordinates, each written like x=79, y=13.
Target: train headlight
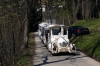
x=73, y=44
x=67, y=43
x=73, y=48
x=63, y=44
x=54, y=44
x=60, y=44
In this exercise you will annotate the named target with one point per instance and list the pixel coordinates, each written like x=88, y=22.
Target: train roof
x=43, y=24
x=47, y=25
x=52, y=26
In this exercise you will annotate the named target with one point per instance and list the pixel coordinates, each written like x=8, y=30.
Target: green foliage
x=90, y=44
x=62, y=13
x=24, y=59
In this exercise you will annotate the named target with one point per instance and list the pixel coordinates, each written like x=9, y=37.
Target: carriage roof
x=47, y=25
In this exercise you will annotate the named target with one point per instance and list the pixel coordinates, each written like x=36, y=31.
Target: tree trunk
x=69, y=20
x=26, y=30
x=26, y=35
x=96, y=2
x=75, y=9
x=99, y=13
x=98, y=6
x=83, y=9
x=87, y=10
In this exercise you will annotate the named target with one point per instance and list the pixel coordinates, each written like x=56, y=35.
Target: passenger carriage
x=43, y=31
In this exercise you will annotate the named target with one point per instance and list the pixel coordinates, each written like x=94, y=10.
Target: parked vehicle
x=56, y=39
x=74, y=31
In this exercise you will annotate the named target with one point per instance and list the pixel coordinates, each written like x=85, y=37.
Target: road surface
x=43, y=57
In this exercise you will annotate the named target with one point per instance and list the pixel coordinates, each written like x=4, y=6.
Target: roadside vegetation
x=89, y=44
x=26, y=59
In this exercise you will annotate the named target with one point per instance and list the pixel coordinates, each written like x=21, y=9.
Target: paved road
x=44, y=58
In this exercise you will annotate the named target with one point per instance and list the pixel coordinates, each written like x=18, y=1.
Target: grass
x=26, y=59
x=89, y=44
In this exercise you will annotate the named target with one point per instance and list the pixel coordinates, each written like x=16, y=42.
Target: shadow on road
x=72, y=59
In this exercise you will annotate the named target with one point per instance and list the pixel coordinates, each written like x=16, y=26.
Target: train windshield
x=55, y=31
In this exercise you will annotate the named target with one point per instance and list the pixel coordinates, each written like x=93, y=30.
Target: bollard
x=0, y=61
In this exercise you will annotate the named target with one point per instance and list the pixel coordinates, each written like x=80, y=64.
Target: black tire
x=54, y=54
x=74, y=54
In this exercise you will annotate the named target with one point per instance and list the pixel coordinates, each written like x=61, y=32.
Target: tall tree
x=87, y=10
x=76, y=6
x=98, y=6
x=83, y=9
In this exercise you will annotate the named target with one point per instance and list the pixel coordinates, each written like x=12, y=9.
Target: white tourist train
x=55, y=37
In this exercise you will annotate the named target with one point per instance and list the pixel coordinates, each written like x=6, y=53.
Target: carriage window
x=46, y=31
x=55, y=31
